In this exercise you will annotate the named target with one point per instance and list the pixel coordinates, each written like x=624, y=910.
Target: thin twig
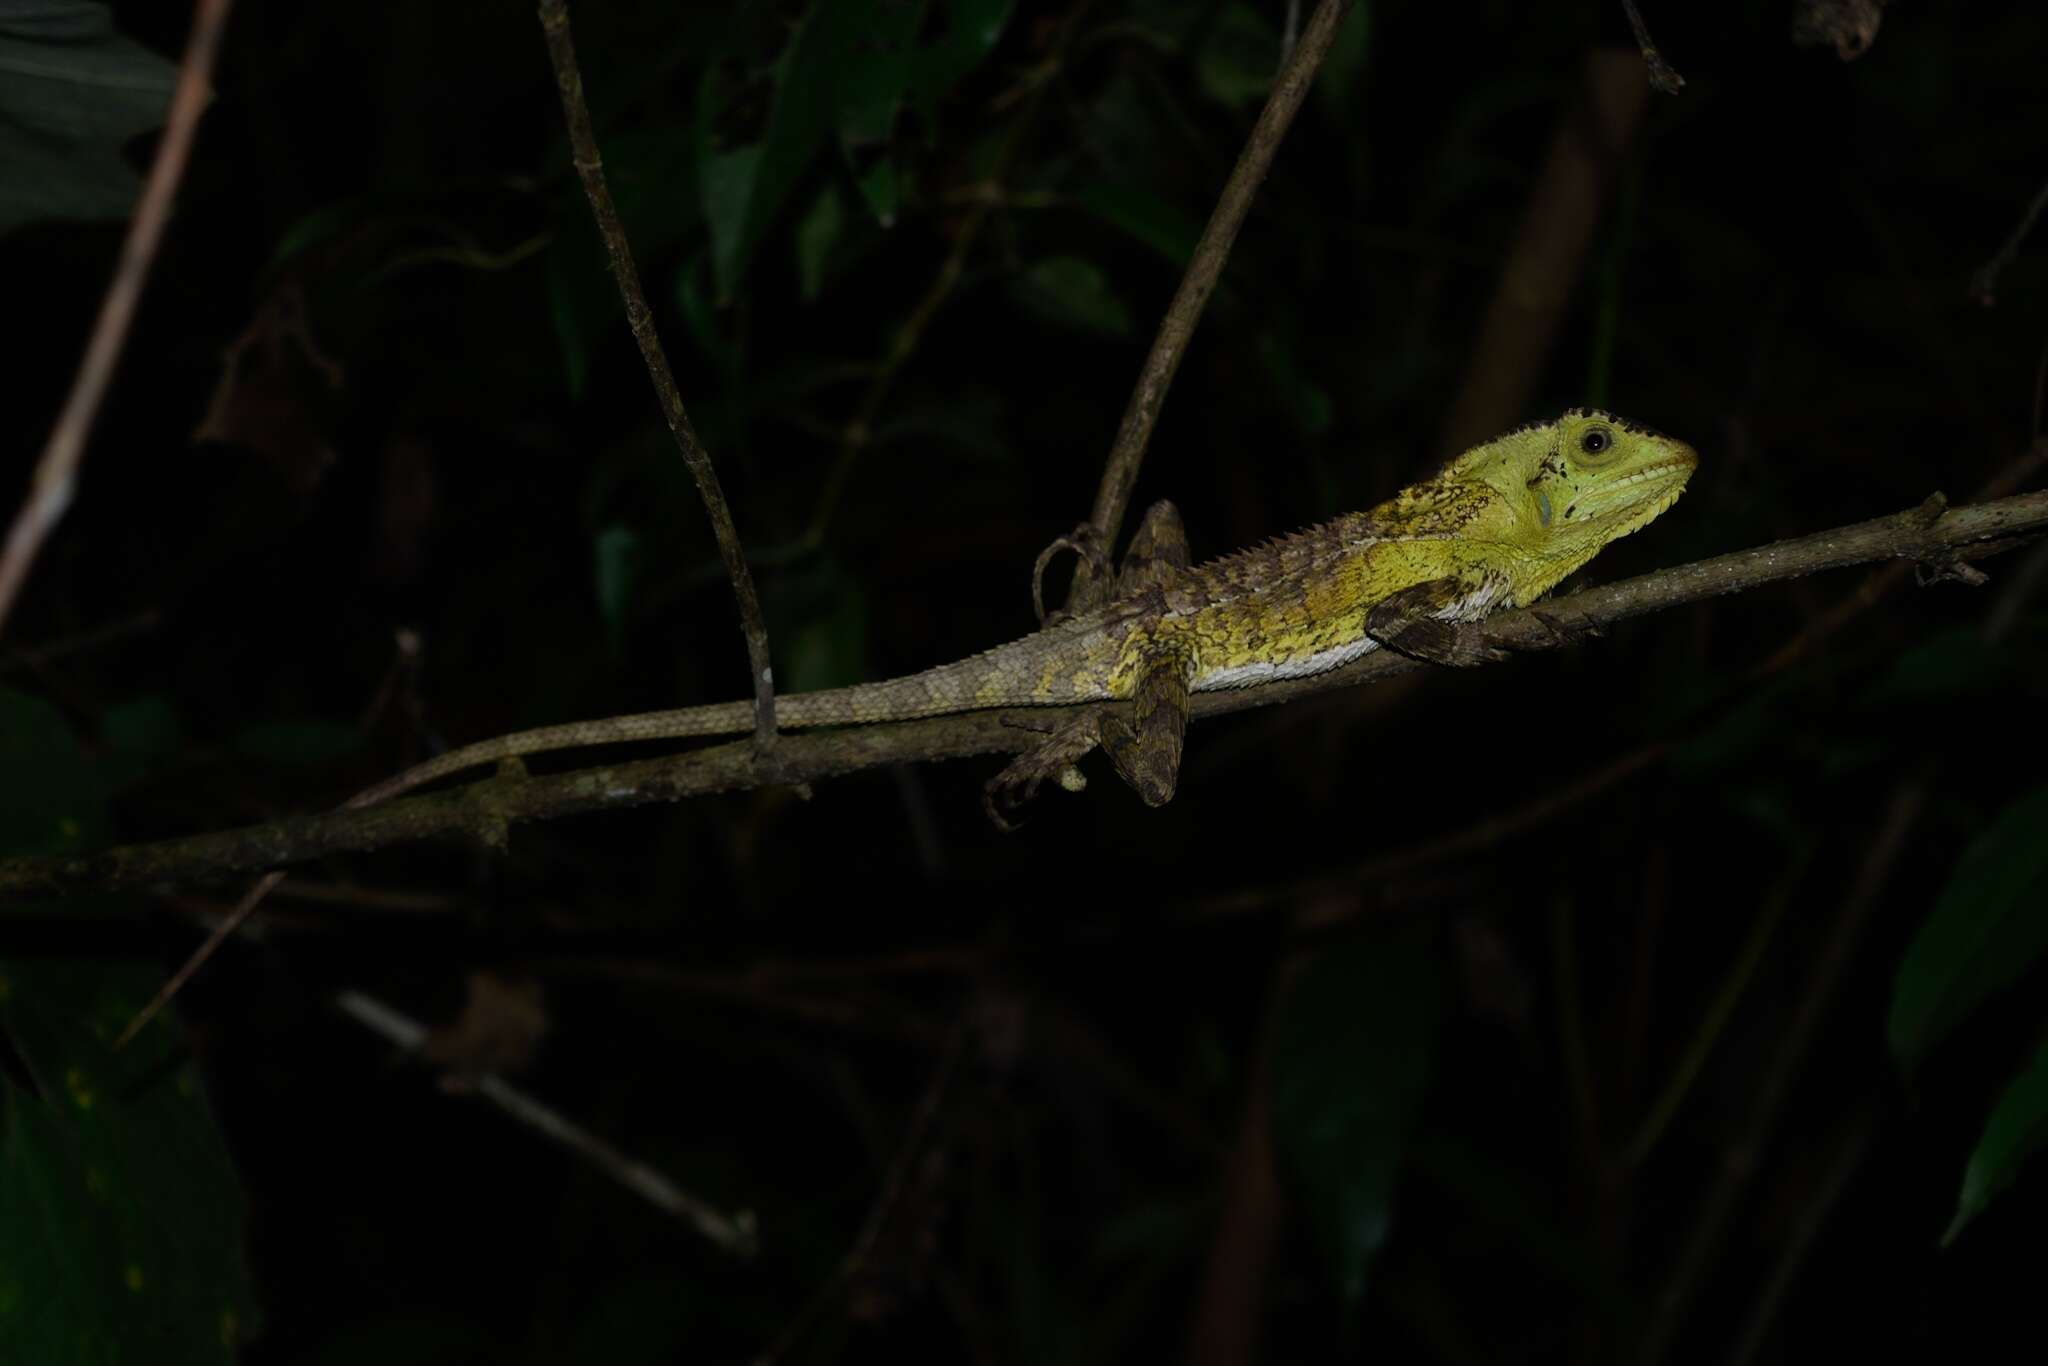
x=554, y=19
x=1734, y=984
x=554, y=22
x=1984, y=284
x=485, y=810
x=1470, y=836
x=1226, y=1313
x=1662, y=77
x=1536, y=289
x=36, y=657
x=1877, y=584
x=1741, y=1159
x=735, y=1233
x=857, y=433
x=907, y=1152
x=1571, y=1026
x=222, y=929
x=56, y=473
x=1120, y=473
x=1841, y=1166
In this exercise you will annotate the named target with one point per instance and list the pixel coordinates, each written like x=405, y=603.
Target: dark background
x=1271, y=1059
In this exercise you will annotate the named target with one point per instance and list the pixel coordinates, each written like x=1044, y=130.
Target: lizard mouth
x=1639, y=495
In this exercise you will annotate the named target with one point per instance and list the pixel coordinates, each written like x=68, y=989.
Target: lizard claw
x=1086, y=542
x=994, y=797
x=1455, y=645
x=1564, y=632
x=1053, y=758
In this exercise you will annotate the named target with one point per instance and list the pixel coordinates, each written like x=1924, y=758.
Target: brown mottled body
x=1498, y=527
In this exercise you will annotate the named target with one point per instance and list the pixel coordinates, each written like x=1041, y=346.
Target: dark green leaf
x=816, y=235
x=879, y=68
x=824, y=643
x=1238, y=63
x=617, y=551
x=52, y=800
x=880, y=191
x=1989, y=924
x=1496, y=1196
x=1351, y=1055
x=123, y=1216
x=1738, y=735
x=969, y=419
x=1145, y=216
x=2017, y=1129
x=653, y=176
x=582, y=300
x=651, y=1319
x=72, y=91
x=728, y=202
x=323, y=224
x=1948, y=664
x=1307, y=404
x=702, y=318
x=139, y=736
x=1342, y=73
x=1160, y=1228
x=971, y=30
x=296, y=742
x=148, y=727
x=1071, y=292
x=120, y=1217
x=845, y=54
x=411, y=1337
x=847, y=71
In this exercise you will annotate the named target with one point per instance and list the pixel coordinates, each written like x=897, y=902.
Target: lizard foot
x=1053, y=757
x=1567, y=632
x=1455, y=644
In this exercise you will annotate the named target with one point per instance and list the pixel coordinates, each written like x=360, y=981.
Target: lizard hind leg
x=1143, y=746
x=1158, y=550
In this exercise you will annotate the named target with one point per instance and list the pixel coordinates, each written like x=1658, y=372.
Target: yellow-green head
x=1561, y=490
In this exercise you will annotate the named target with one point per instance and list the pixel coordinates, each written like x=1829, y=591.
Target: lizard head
x=1556, y=492
x=1569, y=486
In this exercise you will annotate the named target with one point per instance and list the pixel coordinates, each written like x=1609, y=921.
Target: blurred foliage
x=122, y=1215
x=381, y=472
x=72, y=91
x=1987, y=928
x=1351, y=1055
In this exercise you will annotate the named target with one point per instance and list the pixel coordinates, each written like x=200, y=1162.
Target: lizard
x=1497, y=527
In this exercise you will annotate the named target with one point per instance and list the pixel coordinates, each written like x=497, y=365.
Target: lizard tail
x=965, y=685
x=725, y=718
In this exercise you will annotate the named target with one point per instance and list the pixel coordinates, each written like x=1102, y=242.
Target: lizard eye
x=1596, y=441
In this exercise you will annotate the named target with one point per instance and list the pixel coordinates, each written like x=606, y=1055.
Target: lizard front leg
x=1144, y=746
x=1433, y=620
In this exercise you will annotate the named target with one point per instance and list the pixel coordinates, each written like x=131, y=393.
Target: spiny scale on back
x=1497, y=527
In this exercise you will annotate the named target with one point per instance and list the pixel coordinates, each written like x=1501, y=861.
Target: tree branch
x=1120, y=472
x=554, y=22
x=1662, y=77
x=1938, y=541
x=736, y=1233
x=57, y=469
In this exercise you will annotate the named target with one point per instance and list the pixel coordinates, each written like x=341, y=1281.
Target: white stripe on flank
x=1265, y=670
x=1471, y=607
